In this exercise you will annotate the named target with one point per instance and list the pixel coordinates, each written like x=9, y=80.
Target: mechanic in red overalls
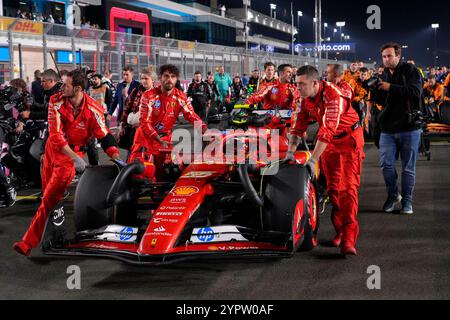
x=160, y=108
x=335, y=74
x=73, y=119
x=339, y=145
x=279, y=93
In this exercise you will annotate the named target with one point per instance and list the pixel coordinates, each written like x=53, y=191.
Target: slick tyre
x=310, y=239
x=91, y=210
x=284, y=208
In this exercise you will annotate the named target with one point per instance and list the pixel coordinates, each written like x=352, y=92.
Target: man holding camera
x=399, y=92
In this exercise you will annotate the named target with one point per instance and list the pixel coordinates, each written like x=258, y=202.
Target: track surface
x=413, y=253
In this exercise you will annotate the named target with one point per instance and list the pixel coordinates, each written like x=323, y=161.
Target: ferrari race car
x=205, y=209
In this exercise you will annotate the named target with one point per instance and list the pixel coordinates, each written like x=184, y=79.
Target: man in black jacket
x=51, y=85
x=399, y=93
x=200, y=93
x=37, y=91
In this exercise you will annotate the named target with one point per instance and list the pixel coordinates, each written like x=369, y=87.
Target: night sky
x=406, y=22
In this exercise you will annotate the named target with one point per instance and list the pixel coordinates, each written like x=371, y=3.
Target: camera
x=416, y=117
x=372, y=83
x=11, y=98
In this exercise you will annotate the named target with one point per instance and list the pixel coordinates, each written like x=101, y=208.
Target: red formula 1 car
x=209, y=208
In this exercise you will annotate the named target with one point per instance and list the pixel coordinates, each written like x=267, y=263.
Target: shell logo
x=184, y=191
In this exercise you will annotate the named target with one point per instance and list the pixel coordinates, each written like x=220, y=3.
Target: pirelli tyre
x=91, y=210
x=310, y=239
x=286, y=203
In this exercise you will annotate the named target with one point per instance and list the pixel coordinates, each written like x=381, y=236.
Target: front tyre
x=91, y=210
x=310, y=239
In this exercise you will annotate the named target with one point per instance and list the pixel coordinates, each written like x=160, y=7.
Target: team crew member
x=224, y=82
x=335, y=74
x=351, y=75
x=200, y=93
x=74, y=118
x=269, y=75
x=253, y=82
x=131, y=114
x=160, y=108
x=339, y=145
x=361, y=92
x=280, y=93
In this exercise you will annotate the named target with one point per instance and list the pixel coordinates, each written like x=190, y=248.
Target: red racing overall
x=341, y=161
x=159, y=113
x=276, y=94
x=58, y=169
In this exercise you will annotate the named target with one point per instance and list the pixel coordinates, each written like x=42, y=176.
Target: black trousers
x=199, y=108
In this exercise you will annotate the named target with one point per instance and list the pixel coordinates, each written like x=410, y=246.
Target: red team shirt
x=331, y=109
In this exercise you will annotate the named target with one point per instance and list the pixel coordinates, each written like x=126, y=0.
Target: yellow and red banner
x=22, y=26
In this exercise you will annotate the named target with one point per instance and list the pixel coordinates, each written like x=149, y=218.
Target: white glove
x=80, y=164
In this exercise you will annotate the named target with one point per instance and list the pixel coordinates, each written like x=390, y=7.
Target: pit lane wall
x=26, y=46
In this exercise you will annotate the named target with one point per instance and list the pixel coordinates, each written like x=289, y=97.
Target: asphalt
x=412, y=253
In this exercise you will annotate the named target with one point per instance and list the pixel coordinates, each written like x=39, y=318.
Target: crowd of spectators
x=39, y=17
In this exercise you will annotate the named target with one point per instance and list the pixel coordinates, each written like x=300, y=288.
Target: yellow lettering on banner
x=22, y=26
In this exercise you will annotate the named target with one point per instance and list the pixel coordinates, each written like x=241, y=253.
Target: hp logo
x=205, y=234
x=126, y=233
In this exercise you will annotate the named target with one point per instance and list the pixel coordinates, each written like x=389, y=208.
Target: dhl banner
x=22, y=26
x=187, y=45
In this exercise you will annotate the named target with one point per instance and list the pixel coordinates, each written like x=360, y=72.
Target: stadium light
x=435, y=26
x=274, y=8
x=340, y=24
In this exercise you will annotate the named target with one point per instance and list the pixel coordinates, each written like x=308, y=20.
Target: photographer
x=399, y=92
x=15, y=96
x=22, y=102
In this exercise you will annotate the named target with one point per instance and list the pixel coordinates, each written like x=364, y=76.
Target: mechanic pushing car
x=160, y=108
x=73, y=119
x=340, y=146
x=280, y=93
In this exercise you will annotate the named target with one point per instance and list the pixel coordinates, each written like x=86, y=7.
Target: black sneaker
x=389, y=205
